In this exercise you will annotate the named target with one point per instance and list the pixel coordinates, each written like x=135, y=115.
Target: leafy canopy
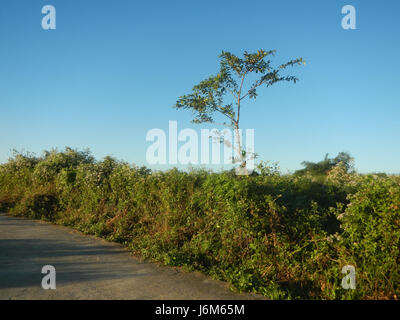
x=208, y=96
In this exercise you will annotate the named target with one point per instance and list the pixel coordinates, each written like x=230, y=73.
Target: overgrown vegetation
x=284, y=236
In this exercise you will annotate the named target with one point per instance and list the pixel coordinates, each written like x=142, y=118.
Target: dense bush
x=371, y=236
x=285, y=236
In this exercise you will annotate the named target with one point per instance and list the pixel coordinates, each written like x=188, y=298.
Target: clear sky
x=112, y=70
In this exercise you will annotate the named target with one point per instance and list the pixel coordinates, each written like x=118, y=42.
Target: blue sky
x=112, y=70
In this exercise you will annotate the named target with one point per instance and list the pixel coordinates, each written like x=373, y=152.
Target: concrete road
x=89, y=268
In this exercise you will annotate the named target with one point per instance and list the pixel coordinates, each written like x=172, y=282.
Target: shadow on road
x=21, y=262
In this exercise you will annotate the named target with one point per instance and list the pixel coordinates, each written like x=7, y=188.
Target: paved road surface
x=89, y=268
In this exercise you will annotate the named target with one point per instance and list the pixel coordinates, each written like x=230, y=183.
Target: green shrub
x=371, y=225
x=285, y=236
x=41, y=204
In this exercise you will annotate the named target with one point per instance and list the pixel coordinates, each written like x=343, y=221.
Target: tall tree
x=210, y=95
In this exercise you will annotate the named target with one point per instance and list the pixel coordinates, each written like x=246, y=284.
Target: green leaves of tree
x=208, y=97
